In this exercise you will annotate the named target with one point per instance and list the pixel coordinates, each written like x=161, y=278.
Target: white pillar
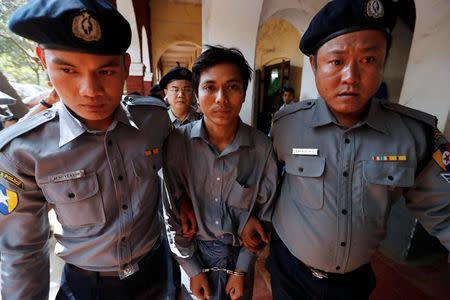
x=125, y=7
x=426, y=85
x=308, y=87
x=234, y=23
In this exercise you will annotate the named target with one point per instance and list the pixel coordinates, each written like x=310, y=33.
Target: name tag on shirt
x=305, y=151
x=68, y=176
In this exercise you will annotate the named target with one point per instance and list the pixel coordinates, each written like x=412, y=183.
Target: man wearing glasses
x=177, y=85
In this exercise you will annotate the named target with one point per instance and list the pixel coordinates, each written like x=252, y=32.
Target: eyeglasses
x=176, y=90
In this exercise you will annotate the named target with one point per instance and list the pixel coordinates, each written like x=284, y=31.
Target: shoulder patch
x=301, y=105
x=412, y=113
x=8, y=200
x=8, y=134
x=144, y=100
x=441, y=154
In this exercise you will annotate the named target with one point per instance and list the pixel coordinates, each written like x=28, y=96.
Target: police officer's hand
x=188, y=220
x=253, y=235
x=235, y=286
x=200, y=287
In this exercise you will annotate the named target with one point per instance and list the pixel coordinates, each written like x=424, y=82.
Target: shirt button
x=347, y=141
x=338, y=268
x=390, y=177
x=300, y=169
x=120, y=177
x=124, y=207
x=345, y=173
x=344, y=211
x=218, y=178
x=71, y=195
x=216, y=199
x=217, y=222
x=343, y=244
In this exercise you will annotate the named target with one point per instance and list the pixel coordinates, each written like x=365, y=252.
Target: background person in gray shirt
x=177, y=86
x=228, y=170
x=91, y=157
x=347, y=158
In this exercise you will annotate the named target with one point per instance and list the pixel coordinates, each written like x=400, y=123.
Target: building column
x=234, y=23
x=426, y=80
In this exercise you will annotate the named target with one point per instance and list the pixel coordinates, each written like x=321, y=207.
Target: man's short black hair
x=214, y=55
x=288, y=89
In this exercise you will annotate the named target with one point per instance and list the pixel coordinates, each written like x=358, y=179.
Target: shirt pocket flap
x=70, y=191
x=388, y=173
x=305, y=166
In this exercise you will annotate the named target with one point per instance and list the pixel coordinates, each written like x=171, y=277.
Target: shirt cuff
x=246, y=260
x=191, y=266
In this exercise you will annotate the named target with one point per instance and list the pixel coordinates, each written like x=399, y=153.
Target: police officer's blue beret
x=91, y=26
x=343, y=16
x=177, y=73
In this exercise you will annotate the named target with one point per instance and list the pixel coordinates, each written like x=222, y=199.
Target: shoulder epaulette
x=412, y=113
x=144, y=100
x=292, y=108
x=7, y=135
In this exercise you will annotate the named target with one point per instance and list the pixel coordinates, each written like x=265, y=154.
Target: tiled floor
x=394, y=280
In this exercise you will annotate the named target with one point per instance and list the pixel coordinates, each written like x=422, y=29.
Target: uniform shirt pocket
x=77, y=202
x=383, y=183
x=305, y=177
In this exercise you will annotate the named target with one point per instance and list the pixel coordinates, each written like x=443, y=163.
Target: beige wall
x=234, y=23
x=426, y=85
x=277, y=40
x=172, y=23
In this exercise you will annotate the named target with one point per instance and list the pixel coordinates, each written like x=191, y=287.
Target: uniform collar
x=375, y=117
x=243, y=136
x=323, y=116
x=70, y=127
x=189, y=118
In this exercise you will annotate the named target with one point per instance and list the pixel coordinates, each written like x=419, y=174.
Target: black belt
x=364, y=269
x=142, y=264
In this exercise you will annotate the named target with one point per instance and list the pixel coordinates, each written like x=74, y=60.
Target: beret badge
x=85, y=27
x=374, y=9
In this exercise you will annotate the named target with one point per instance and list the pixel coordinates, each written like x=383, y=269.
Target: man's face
x=221, y=94
x=349, y=71
x=179, y=95
x=288, y=97
x=89, y=85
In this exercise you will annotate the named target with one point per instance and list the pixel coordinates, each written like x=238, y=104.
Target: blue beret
x=343, y=16
x=177, y=73
x=88, y=26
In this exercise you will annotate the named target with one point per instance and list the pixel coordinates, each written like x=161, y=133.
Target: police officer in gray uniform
x=91, y=157
x=347, y=158
x=177, y=86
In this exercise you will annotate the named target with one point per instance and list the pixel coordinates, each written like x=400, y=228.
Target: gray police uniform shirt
x=223, y=187
x=333, y=206
x=103, y=186
x=191, y=117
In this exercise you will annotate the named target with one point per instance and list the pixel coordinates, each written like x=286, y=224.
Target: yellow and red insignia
x=8, y=200
x=390, y=157
x=149, y=152
x=442, y=156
